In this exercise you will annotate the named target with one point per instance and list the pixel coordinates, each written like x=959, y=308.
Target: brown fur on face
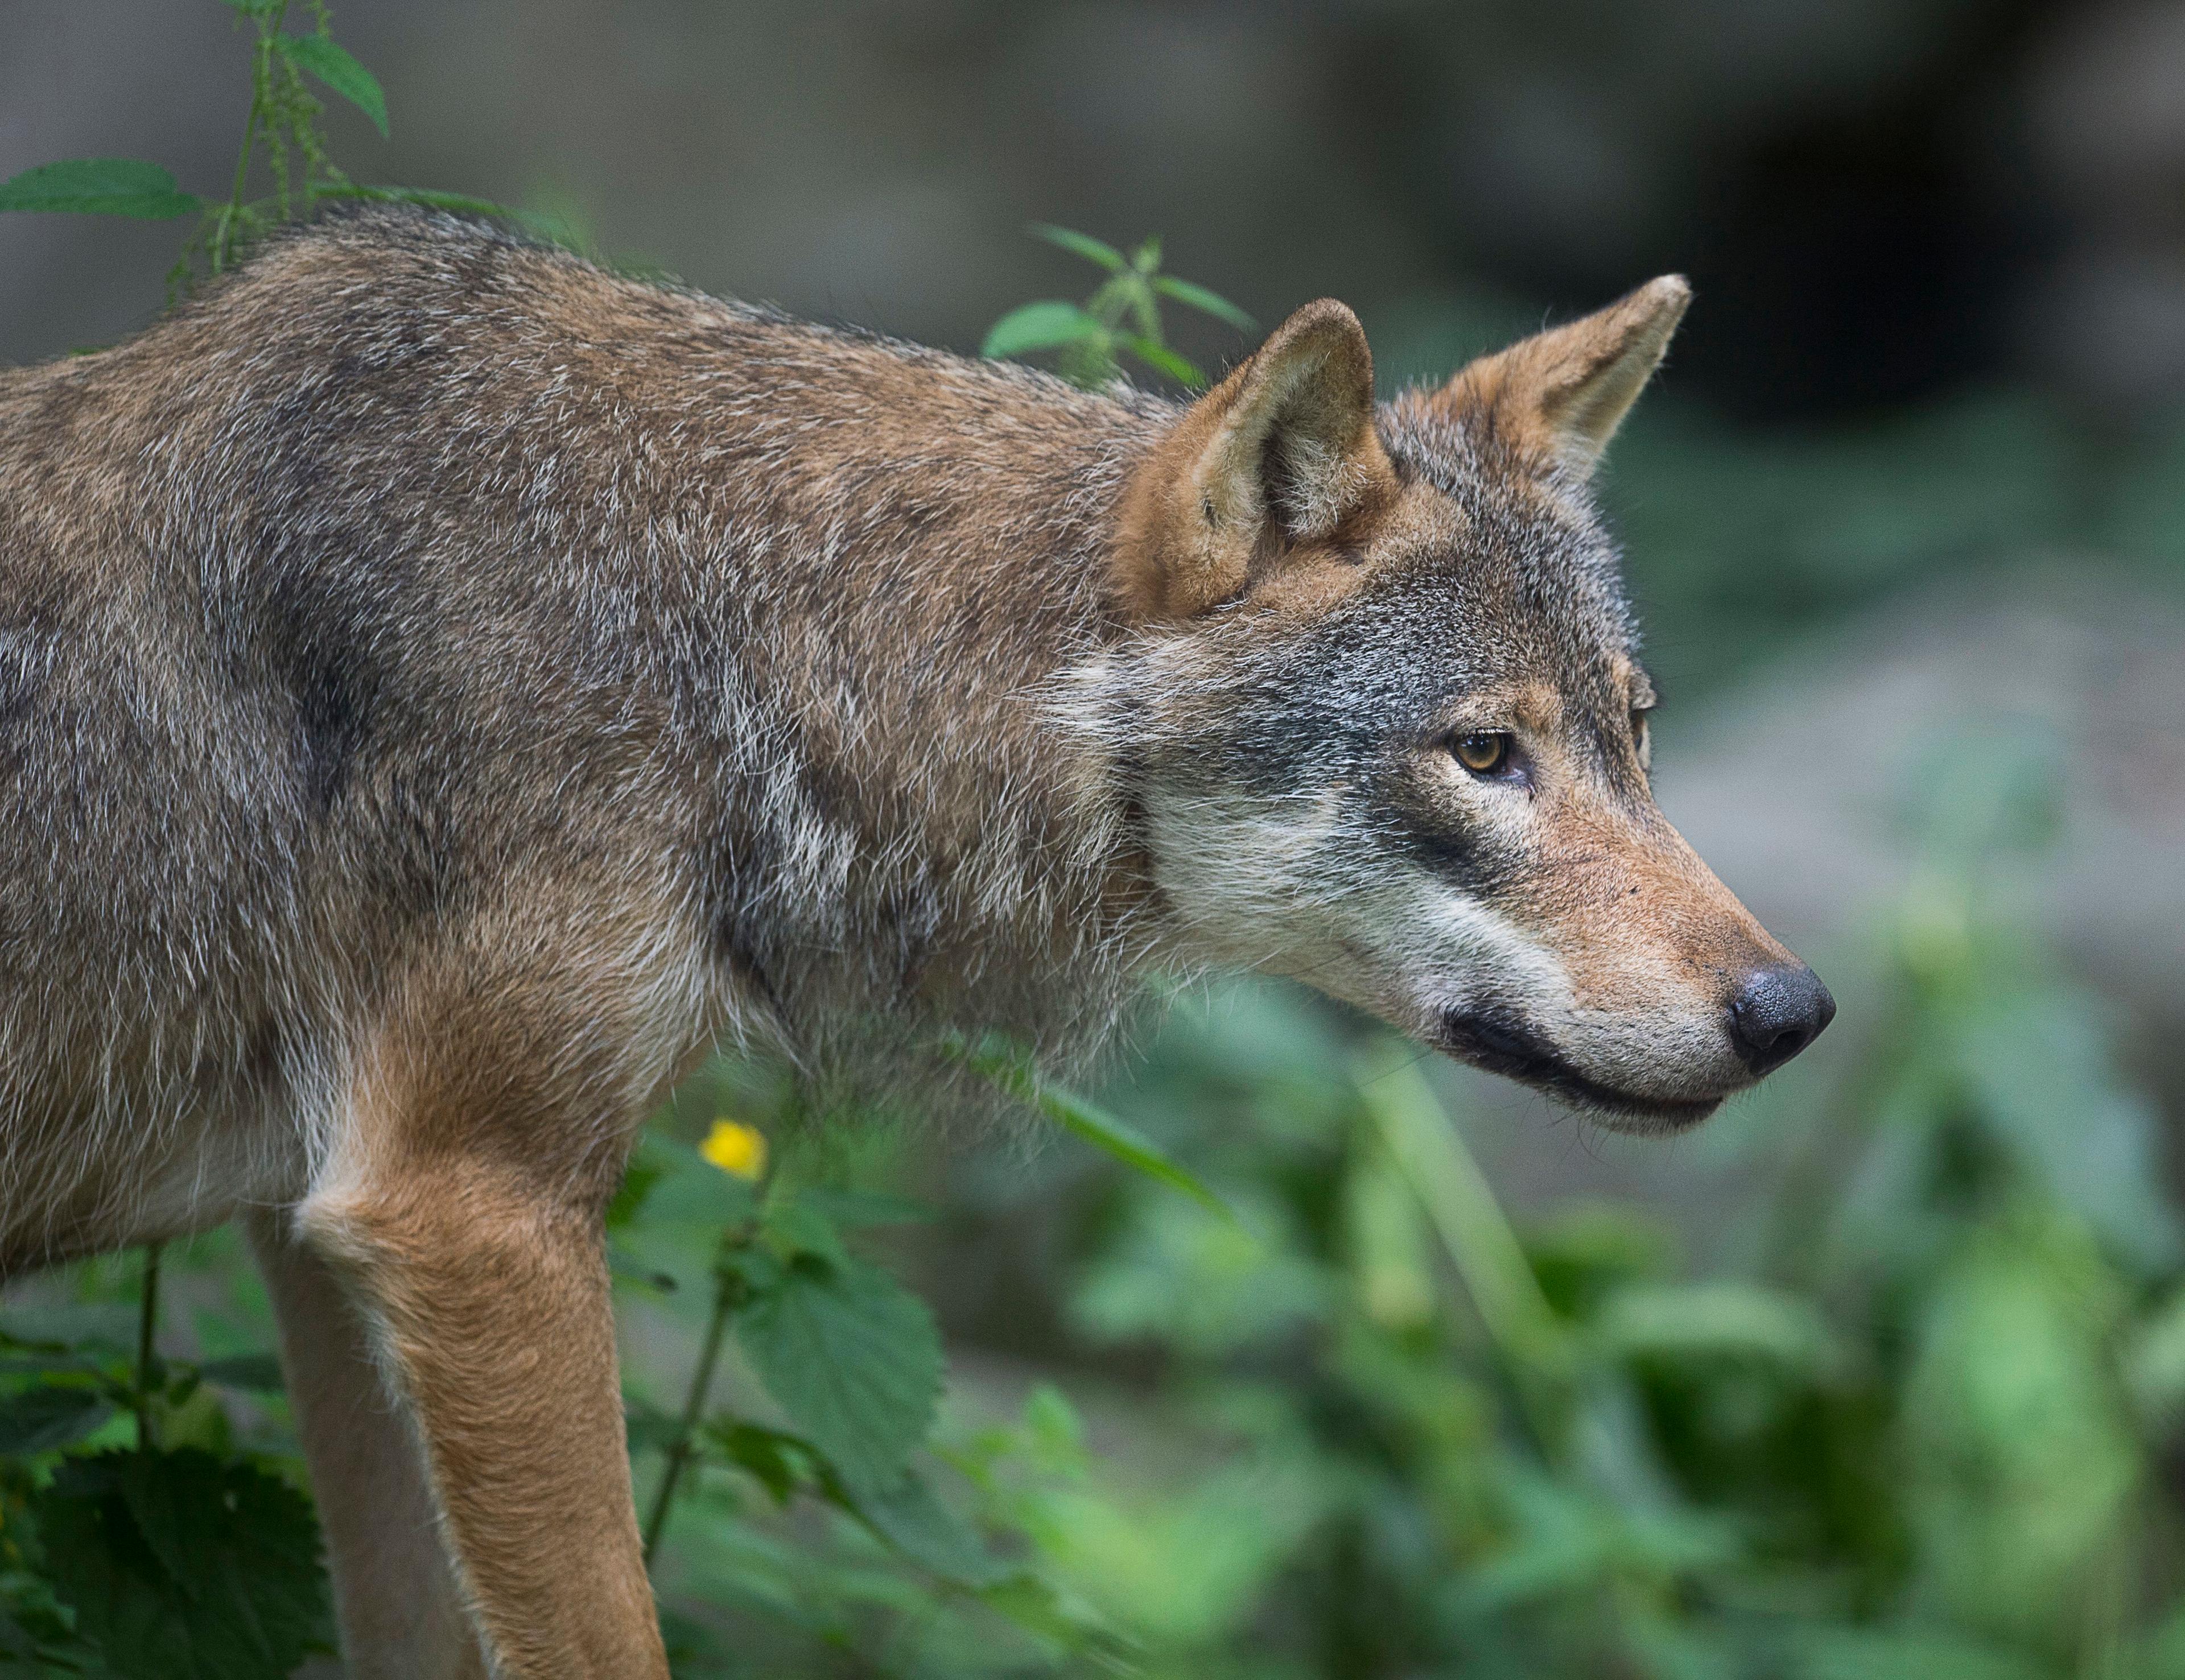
x=444, y=685
x=1309, y=815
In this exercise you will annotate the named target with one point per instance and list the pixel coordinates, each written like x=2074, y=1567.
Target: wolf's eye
x=1482, y=753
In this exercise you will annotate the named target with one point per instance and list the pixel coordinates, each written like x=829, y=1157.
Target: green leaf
x=2041, y=1068
x=1908, y=1653
x=119, y=187
x=332, y=63
x=1125, y=1142
x=683, y=1190
x=854, y=1360
x=781, y=1462
x=1064, y=1624
x=994, y=1059
x=38, y=1420
x=908, y=1516
x=1462, y=1208
x=857, y=1208
x=253, y=1373
x=1045, y=326
x=637, y=1181
x=1178, y=368
x=1081, y=244
x=1720, y=1320
x=793, y=1227
x=183, y=1568
x=1198, y=297
x=904, y=1511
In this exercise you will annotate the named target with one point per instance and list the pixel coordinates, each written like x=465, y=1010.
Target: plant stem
x=728, y=1294
x=261, y=59
x=147, y=1320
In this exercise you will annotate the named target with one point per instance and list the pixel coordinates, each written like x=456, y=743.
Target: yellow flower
x=735, y=1148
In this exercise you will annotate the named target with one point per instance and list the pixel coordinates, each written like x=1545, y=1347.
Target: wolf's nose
x=1777, y=1013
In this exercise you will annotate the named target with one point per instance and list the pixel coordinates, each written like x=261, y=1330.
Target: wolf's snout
x=1778, y=1011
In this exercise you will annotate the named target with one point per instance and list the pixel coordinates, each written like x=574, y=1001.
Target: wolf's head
x=1386, y=719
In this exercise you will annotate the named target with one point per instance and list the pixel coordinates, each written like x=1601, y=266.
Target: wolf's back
x=413, y=561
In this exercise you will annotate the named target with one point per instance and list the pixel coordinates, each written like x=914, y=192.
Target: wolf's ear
x=1282, y=451
x=1566, y=390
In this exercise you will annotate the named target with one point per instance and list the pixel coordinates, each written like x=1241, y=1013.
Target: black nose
x=1777, y=1013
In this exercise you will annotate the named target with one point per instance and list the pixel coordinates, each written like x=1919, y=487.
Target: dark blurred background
x=1880, y=201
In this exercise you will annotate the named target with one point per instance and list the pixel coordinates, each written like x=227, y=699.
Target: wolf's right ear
x=1282, y=451
x=1562, y=394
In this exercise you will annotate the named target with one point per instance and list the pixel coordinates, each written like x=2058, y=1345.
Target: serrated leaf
x=853, y=1360
x=1209, y=303
x=121, y=186
x=183, y=1568
x=327, y=58
x=1045, y=326
x=38, y=1420
x=1084, y=245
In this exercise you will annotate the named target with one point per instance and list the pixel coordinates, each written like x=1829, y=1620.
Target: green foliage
x=1011, y=1068
x=852, y=1356
x=321, y=56
x=1122, y=317
x=119, y=187
x=282, y=143
x=178, y=1567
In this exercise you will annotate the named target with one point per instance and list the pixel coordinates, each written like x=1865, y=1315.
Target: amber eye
x=1481, y=753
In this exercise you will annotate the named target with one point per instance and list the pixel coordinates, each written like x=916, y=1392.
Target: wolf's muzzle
x=1498, y=1043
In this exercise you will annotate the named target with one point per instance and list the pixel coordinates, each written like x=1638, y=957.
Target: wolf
x=445, y=687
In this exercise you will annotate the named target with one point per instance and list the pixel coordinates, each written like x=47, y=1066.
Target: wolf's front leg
x=461, y=1207
x=489, y=1296
x=402, y=1616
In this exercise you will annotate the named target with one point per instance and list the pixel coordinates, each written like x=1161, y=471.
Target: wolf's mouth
x=1497, y=1043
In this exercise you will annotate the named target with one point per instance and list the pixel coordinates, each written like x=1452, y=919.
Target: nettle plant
x=1122, y=317
x=282, y=151
x=154, y=1523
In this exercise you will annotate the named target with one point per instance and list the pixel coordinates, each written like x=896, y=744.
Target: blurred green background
x=1880, y=1374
